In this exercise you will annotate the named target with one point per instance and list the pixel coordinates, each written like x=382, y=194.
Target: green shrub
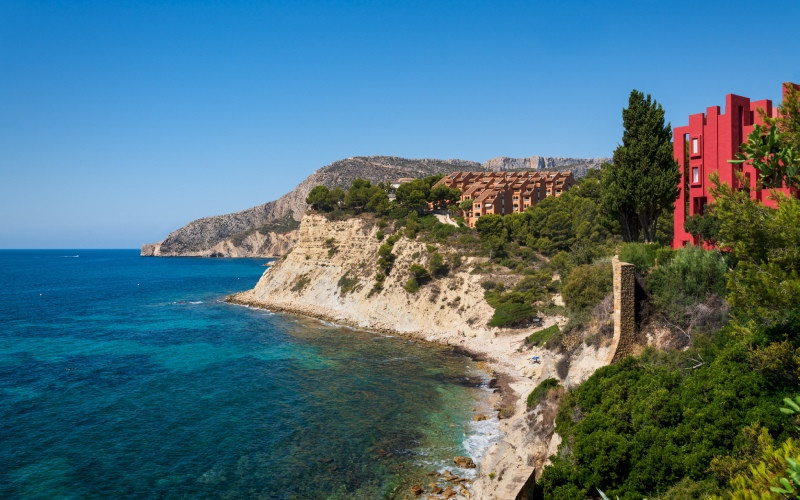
x=512, y=313
x=442, y=232
x=419, y=273
x=690, y=278
x=538, y=394
x=379, y=235
x=641, y=255
x=330, y=244
x=301, y=283
x=587, y=285
x=385, y=256
x=347, y=284
x=411, y=285
x=541, y=337
x=438, y=267
x=488, y=285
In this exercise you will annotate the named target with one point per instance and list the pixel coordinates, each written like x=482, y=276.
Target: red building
x=705, y=146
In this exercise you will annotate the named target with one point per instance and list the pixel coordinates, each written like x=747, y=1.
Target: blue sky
x=121, y=121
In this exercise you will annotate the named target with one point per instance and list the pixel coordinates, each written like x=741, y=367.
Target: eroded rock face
x=313, y=280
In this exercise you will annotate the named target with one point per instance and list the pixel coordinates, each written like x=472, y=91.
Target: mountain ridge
x=266, y=230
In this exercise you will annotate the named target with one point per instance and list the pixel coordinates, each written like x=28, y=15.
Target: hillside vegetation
x=703, y=422
x=697, y=412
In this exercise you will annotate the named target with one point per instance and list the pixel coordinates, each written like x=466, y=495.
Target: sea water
x=123, y=376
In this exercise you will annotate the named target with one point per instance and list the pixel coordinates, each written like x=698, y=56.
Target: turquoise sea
x=128, y=377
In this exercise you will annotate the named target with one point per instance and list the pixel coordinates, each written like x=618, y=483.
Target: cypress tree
x=643, y=180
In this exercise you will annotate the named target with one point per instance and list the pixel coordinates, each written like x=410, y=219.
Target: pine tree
x=643, y=180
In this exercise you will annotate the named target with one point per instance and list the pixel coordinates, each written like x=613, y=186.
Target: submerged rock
x=416, y=489
x=464, y=462
x=449, y=476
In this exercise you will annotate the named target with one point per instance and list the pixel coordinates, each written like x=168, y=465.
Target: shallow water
x=123, y=376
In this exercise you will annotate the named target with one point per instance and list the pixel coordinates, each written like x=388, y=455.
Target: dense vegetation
x=704, y=421
x=683, y=423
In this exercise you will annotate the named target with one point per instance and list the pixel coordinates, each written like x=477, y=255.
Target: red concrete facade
x=705, y=146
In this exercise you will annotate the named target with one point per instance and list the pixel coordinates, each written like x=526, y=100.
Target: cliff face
x=253, y=243
x=330, y=272
x=266, y=230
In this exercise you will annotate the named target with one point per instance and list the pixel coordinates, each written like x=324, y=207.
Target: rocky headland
x=329, y=274
x=269, y=230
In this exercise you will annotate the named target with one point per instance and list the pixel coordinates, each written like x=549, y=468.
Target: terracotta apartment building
x=503, y=193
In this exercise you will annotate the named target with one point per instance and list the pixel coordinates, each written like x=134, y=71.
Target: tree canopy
x=642, y=181
x=774, y=148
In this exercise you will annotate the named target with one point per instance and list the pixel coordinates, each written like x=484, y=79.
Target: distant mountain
x=269, y=230
x=578, y=166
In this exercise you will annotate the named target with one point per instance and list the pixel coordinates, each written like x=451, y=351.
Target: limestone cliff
x=330, y=273
x=266, y=230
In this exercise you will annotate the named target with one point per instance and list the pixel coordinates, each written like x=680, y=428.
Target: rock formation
x=578, y=166
x=331, y=270
x=268, y=230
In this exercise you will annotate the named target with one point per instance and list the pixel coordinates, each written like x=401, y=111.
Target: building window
x=695, y=174
x=695, y=145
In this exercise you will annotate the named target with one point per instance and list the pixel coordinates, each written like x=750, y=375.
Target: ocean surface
x=128, y=377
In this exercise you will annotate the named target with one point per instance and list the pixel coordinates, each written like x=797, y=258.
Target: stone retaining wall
x=624, y=310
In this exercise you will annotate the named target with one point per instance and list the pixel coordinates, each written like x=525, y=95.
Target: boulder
x=464, y=462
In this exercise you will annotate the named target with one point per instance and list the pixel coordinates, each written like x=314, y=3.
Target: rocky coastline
x=450, y=312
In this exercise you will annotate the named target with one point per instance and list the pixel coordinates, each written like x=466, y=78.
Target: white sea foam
x=480, y=437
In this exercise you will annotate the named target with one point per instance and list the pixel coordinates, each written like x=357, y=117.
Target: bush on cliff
x=541, y=337
x=540, y=391
x=516, y=307
x=640, y=426
x=419, y=273
x=438, y=267
x=587, y=285
x=692, y=277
